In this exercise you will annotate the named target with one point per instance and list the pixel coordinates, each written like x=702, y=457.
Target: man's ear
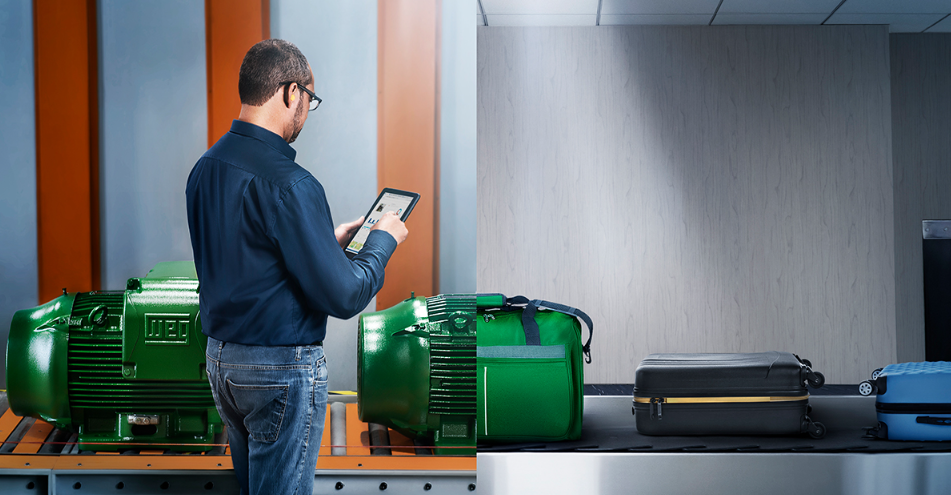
x=291, y=90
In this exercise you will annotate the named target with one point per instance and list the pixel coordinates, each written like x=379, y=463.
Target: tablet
x=402, y=202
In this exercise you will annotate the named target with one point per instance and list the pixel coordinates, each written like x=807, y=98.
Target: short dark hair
x=266, y=65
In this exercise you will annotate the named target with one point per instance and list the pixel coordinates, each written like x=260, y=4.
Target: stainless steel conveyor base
x=612, y=458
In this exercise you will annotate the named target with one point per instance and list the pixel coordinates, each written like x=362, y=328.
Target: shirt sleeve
x=331, y=283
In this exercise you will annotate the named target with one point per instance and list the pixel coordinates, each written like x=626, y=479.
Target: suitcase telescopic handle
x=530, y=307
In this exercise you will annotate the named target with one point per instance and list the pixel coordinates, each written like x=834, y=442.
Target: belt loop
x=221, y=346
x=298, y=352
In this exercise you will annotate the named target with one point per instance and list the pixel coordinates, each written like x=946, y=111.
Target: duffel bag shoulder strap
x=530, y=307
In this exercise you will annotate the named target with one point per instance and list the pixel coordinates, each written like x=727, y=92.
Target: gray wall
x=338, y=143
x=153, y=128
x=457, y=149
x=921, y=125
x=18, y=275
x=694, y=189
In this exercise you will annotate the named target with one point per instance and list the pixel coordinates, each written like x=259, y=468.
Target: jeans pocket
x=320, y=388
x=322, y=373
x=263, y=408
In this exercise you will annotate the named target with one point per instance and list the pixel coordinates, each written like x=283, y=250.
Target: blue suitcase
x=914, y=401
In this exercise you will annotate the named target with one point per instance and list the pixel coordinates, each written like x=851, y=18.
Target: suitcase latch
x=657, y=411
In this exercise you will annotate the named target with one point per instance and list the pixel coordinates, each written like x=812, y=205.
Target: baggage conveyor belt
x=611, y=457
x=355, y=457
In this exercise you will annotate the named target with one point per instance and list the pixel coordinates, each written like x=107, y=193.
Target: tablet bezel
x=409, y=209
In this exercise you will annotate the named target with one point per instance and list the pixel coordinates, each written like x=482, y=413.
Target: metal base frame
x=396, y=483
x=53, y=482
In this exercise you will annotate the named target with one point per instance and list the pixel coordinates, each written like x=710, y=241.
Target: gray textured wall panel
x=18, y=276
x=338, y=143
x=693, y=189
x=153, y=128
x=921, y=125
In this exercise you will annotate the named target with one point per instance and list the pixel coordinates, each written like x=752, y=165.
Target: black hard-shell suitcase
x=725, y=394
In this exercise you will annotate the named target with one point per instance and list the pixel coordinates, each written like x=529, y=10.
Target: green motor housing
x=416, y=370
x=435, y=367
x=118, y=367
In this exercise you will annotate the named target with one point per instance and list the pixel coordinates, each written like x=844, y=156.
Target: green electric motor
x=416, y=370
x=119, y=368
x=454, y=369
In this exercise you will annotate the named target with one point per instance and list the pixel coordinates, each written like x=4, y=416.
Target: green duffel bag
x=529, y=369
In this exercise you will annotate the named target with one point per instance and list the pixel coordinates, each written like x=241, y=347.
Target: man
x=271, y=269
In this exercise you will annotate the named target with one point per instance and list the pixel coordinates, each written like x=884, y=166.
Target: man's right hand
x=391, y=224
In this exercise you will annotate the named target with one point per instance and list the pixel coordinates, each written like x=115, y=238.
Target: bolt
x=339, y=485
x=383, y=486
x=471, y=487
x=428, y=486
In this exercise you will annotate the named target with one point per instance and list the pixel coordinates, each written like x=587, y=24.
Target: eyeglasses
x=314, y=99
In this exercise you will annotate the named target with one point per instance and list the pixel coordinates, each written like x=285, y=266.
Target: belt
x=317, y=343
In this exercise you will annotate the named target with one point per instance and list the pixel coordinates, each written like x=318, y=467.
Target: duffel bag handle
x=529, y=325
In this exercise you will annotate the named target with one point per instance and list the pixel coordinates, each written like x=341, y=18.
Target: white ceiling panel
x=655, y=20
x=941, y=27
x=895, y=7
x=611, y=7
x=731, y=19
x=777, y=7
x=898, y=23
x=547, y=7
x=542, y=20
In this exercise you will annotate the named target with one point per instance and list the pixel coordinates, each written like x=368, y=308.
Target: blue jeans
x=274, y=401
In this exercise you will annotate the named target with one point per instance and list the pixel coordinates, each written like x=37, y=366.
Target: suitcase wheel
x=816, y=379
x=803, y=361
x=867, y=388
x=877, y=373
x=816, y=430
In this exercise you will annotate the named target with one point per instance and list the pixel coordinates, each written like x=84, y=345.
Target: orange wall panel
x=406, y=148
x=67, y=146
x=231, y=28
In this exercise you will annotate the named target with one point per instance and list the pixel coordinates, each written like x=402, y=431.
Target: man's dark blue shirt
x=268, y=262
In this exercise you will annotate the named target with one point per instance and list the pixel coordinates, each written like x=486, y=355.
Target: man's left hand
x=345, y=231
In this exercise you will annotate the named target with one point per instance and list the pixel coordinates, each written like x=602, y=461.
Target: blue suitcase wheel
x=877, y=373
x=867, y=388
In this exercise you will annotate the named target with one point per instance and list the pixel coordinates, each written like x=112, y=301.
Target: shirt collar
x=261, y=134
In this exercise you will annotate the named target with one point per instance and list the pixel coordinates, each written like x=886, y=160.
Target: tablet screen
x=387, y=202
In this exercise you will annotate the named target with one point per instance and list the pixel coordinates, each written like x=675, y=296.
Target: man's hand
x=345, y=231
x=391, y=224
